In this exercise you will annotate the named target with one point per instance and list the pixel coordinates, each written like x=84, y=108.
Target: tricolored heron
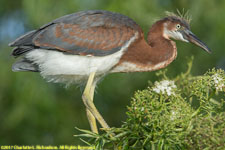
x=85, y=46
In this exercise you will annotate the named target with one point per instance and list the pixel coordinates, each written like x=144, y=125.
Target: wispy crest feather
x=184, y=15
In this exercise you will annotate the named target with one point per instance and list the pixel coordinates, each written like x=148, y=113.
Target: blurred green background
x=33, y=111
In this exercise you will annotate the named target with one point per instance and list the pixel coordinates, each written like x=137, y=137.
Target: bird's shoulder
x=98, y=18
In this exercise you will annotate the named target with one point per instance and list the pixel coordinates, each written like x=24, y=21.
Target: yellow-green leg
x=91, y=118
x=91, y=109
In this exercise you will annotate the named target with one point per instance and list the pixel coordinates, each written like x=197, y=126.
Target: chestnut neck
x=154, y=54
x=160, y=48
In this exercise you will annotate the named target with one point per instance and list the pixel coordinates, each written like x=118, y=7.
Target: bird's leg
x=91, y=118
x=89, y=103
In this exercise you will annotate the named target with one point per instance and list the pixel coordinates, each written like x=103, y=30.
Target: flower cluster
x=218, y=82
x=173, y=115
x=165, y=87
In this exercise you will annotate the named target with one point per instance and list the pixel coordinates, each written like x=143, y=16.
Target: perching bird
x=85, y=46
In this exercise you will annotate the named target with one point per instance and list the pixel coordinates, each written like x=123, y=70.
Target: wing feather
x=97, y=33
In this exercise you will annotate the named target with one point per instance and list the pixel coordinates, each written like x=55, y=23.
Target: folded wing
x=97, y=33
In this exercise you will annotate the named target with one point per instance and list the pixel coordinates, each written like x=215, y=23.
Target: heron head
x=178, y=28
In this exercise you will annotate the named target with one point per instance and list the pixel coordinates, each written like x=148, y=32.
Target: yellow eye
x=178, y=26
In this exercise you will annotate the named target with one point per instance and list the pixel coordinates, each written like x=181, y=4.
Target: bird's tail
x=24, y=65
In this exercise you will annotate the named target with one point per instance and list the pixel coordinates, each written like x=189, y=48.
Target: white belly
x=61, y=67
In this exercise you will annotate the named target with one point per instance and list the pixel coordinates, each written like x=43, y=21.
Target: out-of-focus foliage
x=35, y=112
x=165, y=116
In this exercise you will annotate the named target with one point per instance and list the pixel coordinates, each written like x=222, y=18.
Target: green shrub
x=186, y=112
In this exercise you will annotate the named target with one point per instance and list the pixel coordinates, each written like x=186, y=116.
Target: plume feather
x=184, y=15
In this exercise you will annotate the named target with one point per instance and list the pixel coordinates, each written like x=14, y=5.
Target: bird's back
x=94, y=32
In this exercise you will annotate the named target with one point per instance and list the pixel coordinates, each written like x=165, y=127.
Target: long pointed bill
x=188, y=35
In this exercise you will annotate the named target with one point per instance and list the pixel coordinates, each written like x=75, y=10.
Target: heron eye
x=178, y=26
